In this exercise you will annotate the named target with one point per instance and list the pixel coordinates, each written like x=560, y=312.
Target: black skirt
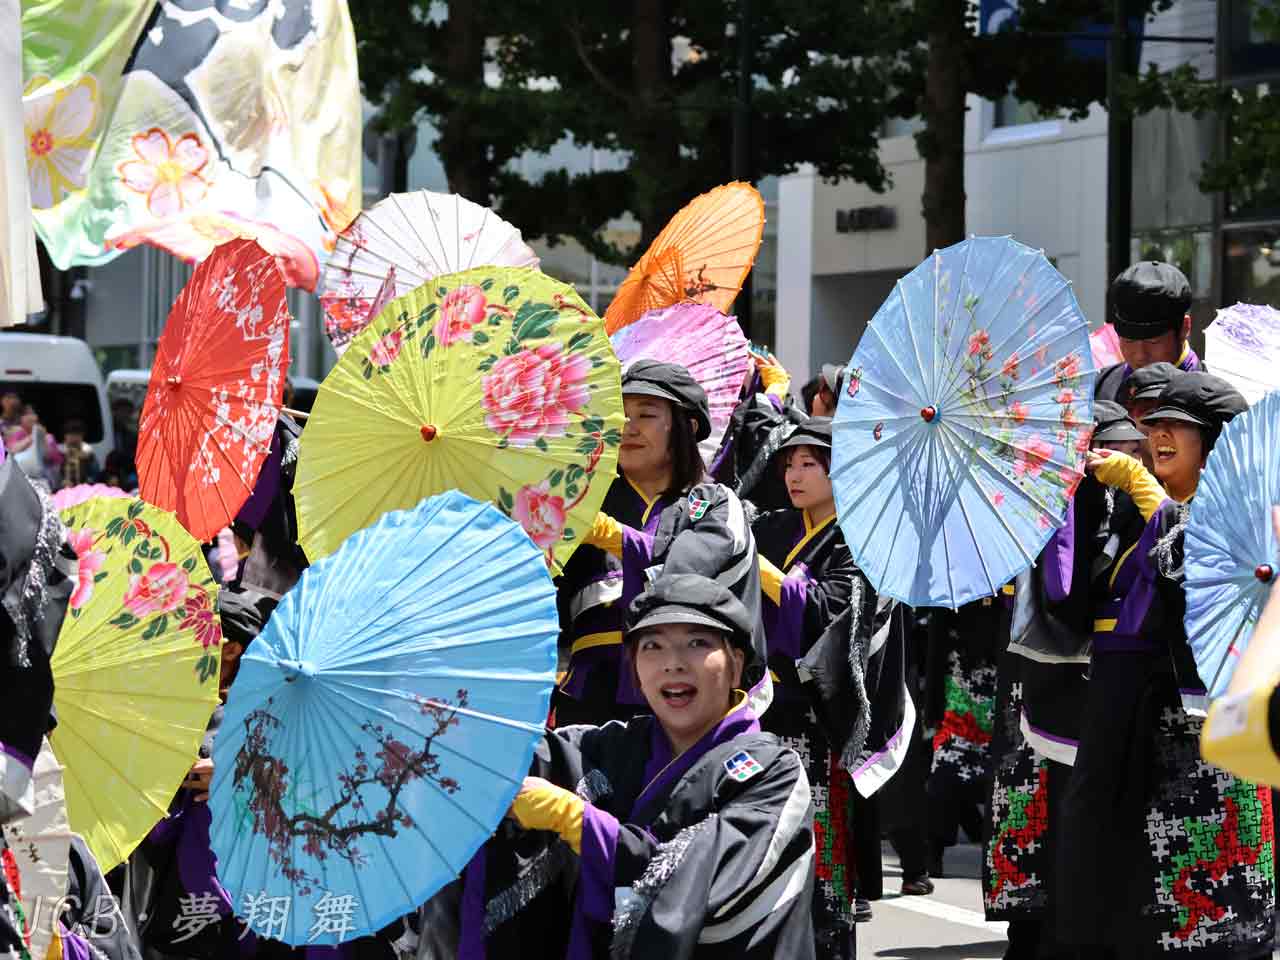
x=1160, y=851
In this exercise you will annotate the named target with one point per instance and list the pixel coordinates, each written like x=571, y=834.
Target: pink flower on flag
x=59, y=123
x=530, y=395
x=90, y=562
x=1031, y=458
x=978, y=342
x=541, y=514
x=167, y=173
x=159, y=590
x=384, y=352
x=461, y=311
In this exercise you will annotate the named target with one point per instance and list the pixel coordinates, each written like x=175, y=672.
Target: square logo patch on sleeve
x=698, y=508
x=742, y=766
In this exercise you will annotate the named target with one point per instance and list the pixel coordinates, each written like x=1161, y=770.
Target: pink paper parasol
x=74, y=496
x=1105, y=346
x=706, y=342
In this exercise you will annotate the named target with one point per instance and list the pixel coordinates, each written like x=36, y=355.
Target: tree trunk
x=467, y=169
x=942, y=141
x=655, y=154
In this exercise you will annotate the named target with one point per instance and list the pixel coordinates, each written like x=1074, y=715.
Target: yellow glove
x=1237, y=735
x=1123, y=472
x=775, y=378
x=606, y=533
x=770, y=579
x=541, y=805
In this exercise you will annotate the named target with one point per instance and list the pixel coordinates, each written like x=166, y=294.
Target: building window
x=1251, y=265
x=1012, y=112
x=1253, y=37
x=901, y=127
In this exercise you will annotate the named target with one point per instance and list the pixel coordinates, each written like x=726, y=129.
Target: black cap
x=1113, y=423
x=690, y=598
x=1199, y=398
x=814, y=432
x=1149, y=299
x=1147, y=383
x=669, y=381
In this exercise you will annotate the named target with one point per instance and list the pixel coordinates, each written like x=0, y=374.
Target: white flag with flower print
x=19, y=273
x=186, y=123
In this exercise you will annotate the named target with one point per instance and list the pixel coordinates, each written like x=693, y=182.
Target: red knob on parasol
x=429, y=432
x=174, y=381
x=928, y=413
x=1264, y=572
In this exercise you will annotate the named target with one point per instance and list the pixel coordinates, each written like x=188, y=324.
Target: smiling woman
x=658, y=464
x=1139, y=795
x=691, y=829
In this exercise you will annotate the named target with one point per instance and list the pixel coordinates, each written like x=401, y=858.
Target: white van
x=59, y=377
x=128, y=384
x=131, y=385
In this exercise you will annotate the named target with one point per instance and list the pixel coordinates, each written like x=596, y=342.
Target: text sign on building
x=860, y=219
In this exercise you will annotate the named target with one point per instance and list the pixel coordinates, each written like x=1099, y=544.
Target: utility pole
x=1119, y=146
x=742, y=140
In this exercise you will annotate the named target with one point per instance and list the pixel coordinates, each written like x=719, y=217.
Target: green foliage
x=1246, y=170
x=618, y=78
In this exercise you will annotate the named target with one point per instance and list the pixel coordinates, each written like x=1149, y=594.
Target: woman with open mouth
x=689, y=832
x=1160, y=850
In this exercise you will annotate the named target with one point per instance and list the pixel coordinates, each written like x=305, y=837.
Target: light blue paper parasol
x=961, y=431
x=383, y=721
x=1232, y=559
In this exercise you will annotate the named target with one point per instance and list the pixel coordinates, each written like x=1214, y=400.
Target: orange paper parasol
x=216, y=388
x=702, y=255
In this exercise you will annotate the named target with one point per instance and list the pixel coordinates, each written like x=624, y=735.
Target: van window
x=55, y=403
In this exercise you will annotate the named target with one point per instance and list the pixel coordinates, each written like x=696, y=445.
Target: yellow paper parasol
x=702, y=255
x=498, y=382
x=135, y=671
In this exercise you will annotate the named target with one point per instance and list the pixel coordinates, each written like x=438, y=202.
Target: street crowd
x=739, y=721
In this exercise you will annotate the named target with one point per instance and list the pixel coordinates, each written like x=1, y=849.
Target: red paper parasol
x=216, y=388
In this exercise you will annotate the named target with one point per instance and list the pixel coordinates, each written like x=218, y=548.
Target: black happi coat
x=1193, y=840
x=589, y=599
x=707, y=864
x=785, y=539
x=37, y=576
x=703, y=532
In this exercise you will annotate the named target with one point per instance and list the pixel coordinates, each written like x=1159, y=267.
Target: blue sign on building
x=997, y=15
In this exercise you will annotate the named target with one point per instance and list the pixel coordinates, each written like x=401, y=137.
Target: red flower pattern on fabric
x=531, y=395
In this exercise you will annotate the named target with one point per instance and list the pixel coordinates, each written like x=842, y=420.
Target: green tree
x=1244, y=167
x=1038, y=62
x=654, y=79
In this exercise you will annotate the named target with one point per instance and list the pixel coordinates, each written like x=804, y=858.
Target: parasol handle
x=296, y=414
